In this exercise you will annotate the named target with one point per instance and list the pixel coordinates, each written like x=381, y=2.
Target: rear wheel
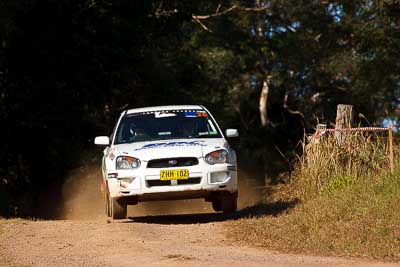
x=229, y=204
x=118, y=209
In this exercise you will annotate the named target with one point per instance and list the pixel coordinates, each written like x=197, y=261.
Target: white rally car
x=168, y=153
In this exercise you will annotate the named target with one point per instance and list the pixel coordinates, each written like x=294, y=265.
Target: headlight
x=126, y=163
x=217, y=157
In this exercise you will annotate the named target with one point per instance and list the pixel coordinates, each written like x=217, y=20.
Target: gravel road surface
x=164, y=240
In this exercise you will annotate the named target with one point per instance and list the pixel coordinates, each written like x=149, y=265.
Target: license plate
x=174, y=174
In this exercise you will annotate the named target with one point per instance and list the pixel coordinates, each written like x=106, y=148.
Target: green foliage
x=338, y=183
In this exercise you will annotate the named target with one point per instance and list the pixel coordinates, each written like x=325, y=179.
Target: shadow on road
x=259, y=210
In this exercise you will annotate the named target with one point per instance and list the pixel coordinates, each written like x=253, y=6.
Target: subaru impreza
x=168, y=153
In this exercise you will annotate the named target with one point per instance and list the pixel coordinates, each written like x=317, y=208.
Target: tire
x=229, y=204
x=118, y=210
x=217, y=204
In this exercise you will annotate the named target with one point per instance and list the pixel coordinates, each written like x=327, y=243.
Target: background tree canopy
x=69, y=67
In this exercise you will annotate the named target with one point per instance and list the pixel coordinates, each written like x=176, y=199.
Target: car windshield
x=161, y=125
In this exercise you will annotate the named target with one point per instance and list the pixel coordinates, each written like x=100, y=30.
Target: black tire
x=118, y=209
x=217, y=204
x=229, y=204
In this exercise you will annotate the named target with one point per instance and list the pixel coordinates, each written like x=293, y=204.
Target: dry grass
x=349, y=204
x=359, y=221
x=327, y=166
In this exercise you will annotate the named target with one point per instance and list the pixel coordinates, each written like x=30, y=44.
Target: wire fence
x=342, y=133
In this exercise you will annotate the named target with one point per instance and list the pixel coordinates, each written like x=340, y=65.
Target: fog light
x=126, y=181
x=219, y=177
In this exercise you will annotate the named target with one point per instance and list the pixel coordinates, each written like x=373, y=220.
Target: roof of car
x=159, y=108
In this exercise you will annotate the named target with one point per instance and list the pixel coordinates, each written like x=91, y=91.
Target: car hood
x=146, y=151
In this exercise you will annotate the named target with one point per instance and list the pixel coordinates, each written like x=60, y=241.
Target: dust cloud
x=82, y=196
x=251, y=189
x=83, y=199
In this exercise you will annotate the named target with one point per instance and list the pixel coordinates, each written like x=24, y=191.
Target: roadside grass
x=4, y=220
x=326, y=165
x=351, y=209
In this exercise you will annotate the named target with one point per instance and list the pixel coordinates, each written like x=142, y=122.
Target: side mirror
x=232, y=133
x=102, y=140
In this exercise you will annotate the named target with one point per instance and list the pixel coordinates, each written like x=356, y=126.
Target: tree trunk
x=263, y=103
x=265, y=88
x=344, y=119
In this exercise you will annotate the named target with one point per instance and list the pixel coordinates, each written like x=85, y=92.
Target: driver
x=137, y=133
x=187, y=128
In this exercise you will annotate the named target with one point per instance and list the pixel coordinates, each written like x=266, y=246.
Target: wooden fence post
x=344, y=119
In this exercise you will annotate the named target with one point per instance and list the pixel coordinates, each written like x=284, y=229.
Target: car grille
x=172, y=162
x=194, y=180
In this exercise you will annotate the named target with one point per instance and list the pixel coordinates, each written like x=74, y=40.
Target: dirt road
x=194, y=236
x=173, y=240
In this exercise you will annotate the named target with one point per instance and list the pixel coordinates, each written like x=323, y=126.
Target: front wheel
x=229, y=204
x=118, y=209
x=217, y=204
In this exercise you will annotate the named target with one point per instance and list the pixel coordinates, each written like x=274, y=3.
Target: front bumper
x=144, y=184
